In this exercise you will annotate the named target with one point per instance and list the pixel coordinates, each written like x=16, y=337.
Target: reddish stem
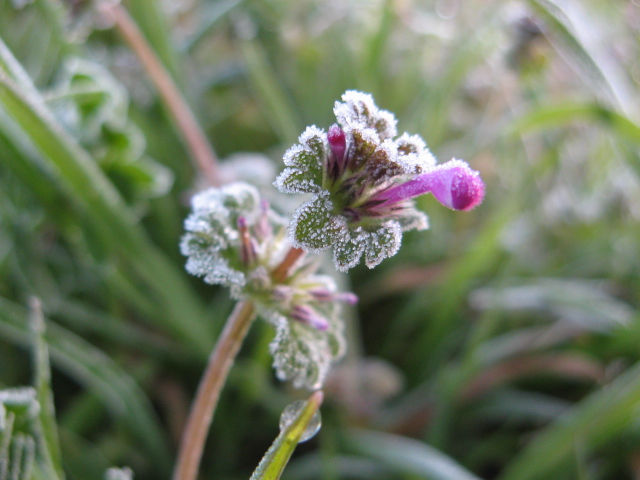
x=282, y=270
x=201, y=151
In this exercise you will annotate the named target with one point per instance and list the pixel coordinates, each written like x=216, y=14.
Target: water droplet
x=290, y=413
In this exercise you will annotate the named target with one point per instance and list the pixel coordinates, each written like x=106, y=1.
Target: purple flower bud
x=338, y=145
x=349, y=298
x=262, y=227
x=453, y=184
x=282, y=293
x=324, y=295
x=308, y=316
x=248, y=250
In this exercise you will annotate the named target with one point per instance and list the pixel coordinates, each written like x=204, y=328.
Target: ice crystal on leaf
x=234, y=239
x=364, y=178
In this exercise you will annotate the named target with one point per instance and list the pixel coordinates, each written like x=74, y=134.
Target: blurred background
x=500, y=344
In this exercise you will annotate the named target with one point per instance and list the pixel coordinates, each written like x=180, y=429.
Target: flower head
x=234, y=239
x=364, y=177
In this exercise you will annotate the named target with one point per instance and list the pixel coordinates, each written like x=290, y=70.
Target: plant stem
x=201, y=150
x=211, y=384
x=282, y=270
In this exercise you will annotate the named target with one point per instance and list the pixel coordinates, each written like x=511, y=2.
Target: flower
x=363, y=179
x=233, y=238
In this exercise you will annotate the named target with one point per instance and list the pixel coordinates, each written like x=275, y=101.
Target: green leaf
x=304, y=354
x=407, y=456
x=382, y=243
x=315, y=226
x=348, y=250
x=275, y=460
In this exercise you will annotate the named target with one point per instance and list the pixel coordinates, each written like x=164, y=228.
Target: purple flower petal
x=454, y=184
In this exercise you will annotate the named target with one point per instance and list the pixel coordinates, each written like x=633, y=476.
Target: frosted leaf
x=305, y=162
x=314, y=140
x=295, y=180
x=358, y=109
x=240, y=198
x=383, y=243
x=304, y=354
x=212, y=239
x=214, y=270
x=365, y=142
x=314, y=226
x=349, y=249
x=382, y=163
x=413, y=154
x=413, y=219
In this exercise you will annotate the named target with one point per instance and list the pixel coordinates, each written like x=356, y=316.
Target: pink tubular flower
x=454, y=185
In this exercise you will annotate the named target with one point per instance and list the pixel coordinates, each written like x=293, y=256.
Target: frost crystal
x=363, y=180
x=234, y=239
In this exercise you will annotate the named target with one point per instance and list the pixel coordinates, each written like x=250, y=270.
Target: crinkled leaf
x=305, y=162
x=296, y=180
x=93, y=105
x=365, y=144
x=359, y=109
x=383, y=243
x=348, y=250
x=413, y=154
x=314, y=140
x=304, y=354
x=383, y=164
x=413, y=219
x=315, y=226
x=212, y=233
x=240, y=199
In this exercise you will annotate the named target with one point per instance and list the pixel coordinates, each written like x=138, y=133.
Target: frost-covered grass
x=501, y=343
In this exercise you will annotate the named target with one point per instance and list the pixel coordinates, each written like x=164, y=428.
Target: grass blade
x=92, y=368
x=275, y=460
x=278, y=107
x=550, y=116
x=82, y=181
x=598, y=418
x=44, y=395
x=408, y=456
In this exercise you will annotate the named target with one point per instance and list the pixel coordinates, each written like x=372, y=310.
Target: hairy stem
x=201, y=151
x=282, y=270
x=211, y=384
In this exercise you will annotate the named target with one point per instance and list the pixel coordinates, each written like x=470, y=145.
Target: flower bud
x=338, y=144
x=308, y=316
